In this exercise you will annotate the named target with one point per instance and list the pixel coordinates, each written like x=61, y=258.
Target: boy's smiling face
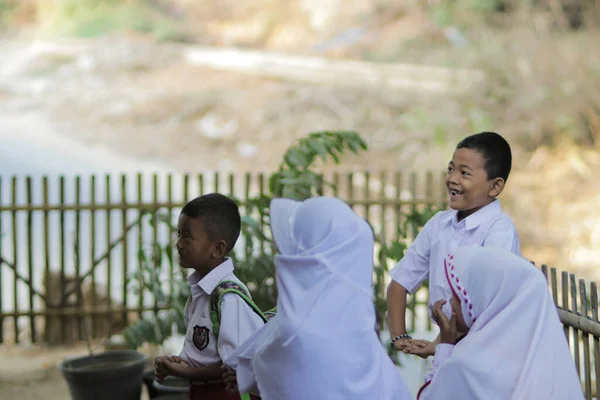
x=467, y=182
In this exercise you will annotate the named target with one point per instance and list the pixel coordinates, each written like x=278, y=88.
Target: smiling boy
x=476, y=176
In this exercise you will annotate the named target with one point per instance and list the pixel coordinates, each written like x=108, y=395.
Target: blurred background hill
x=114, y=73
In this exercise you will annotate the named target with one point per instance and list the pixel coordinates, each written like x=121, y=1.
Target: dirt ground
x=31, y=373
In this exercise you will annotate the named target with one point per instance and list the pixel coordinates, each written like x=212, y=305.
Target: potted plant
x=110, y=375
x=114, y=374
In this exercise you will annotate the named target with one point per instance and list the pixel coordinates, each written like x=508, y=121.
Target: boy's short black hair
x=220, y=216
x=495, y=151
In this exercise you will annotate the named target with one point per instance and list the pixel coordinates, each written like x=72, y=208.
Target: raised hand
x=448, y=332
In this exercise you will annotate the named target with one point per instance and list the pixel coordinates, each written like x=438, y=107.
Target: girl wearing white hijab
x=322, y=344
x=515, y=347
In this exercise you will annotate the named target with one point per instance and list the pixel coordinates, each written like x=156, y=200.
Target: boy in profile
x=207, y=230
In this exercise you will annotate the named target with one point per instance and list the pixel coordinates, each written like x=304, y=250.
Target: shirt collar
x=212, y=279
x=477, y=218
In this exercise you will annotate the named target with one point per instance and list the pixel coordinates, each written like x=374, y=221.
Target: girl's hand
x=175, y=366
x=402, y=344
x=448, y=331
x=230, y=379
x=159, y=369
x=421, y=348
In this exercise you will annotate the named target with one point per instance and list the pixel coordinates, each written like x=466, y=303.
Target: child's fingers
x=229, y=375
x=439, y=317
x=452, y=323
x=231, y=389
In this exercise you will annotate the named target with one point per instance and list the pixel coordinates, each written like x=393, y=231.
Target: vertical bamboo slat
x=216, y=183
x=545, y=272
x=186, y=188
x=573, y=286
x=261, y=192
x=140, y=241
x=46, y=227
x=554, y=285
x=155, y=224
x=564, y=284
x=109, y=257
x=247, y=244
x=350, y=189
x=367, y=196
x=443, y=192
x=429, y=190
x=336, y=183
x=77, y=258
x=30, y=246
x=594, y=304
x=170, y=230
x=93, y=249
x=125, y=246
x=1, y=267
x=63, y=258
x=15, y=254
x=380, y=283
x=382, y=207
x=398, y=207
x=587, y=368
x=412, y=233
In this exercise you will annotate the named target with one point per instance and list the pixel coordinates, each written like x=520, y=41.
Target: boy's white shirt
x=238, y=320
x=442, y=234
x=321, y=344
x=516, y=348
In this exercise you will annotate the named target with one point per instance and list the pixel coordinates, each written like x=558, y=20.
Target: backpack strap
x=271, y=313
x=216, y=298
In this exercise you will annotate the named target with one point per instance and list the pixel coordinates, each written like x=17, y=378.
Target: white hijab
x=322, y=344
x=516, y=348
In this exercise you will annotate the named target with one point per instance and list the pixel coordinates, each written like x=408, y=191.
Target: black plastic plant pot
x=176, y=387
x=173, y=385
x=106, y=376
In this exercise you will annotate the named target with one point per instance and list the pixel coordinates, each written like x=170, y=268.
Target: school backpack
x=216, y=298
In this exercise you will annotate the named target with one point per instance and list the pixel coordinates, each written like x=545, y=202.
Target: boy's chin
x=458, y=207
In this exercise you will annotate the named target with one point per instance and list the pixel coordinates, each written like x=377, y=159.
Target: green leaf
x=333, y=155
x=274, y=183
x=295, y=159
x=319, y=148
x=157, y=254
x=168, y=249
x=142, y=256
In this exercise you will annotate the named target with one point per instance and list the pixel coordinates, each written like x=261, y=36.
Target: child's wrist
x=403, y=336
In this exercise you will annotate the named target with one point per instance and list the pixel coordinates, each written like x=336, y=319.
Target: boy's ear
x=497, y=186
x=220, y=249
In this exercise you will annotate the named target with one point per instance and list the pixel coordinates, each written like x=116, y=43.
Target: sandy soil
x=31, y=373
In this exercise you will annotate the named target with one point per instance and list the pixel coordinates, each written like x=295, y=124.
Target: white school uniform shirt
x=516, y=347
x=321, y=344
x=443, y=234
x=238, y=320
